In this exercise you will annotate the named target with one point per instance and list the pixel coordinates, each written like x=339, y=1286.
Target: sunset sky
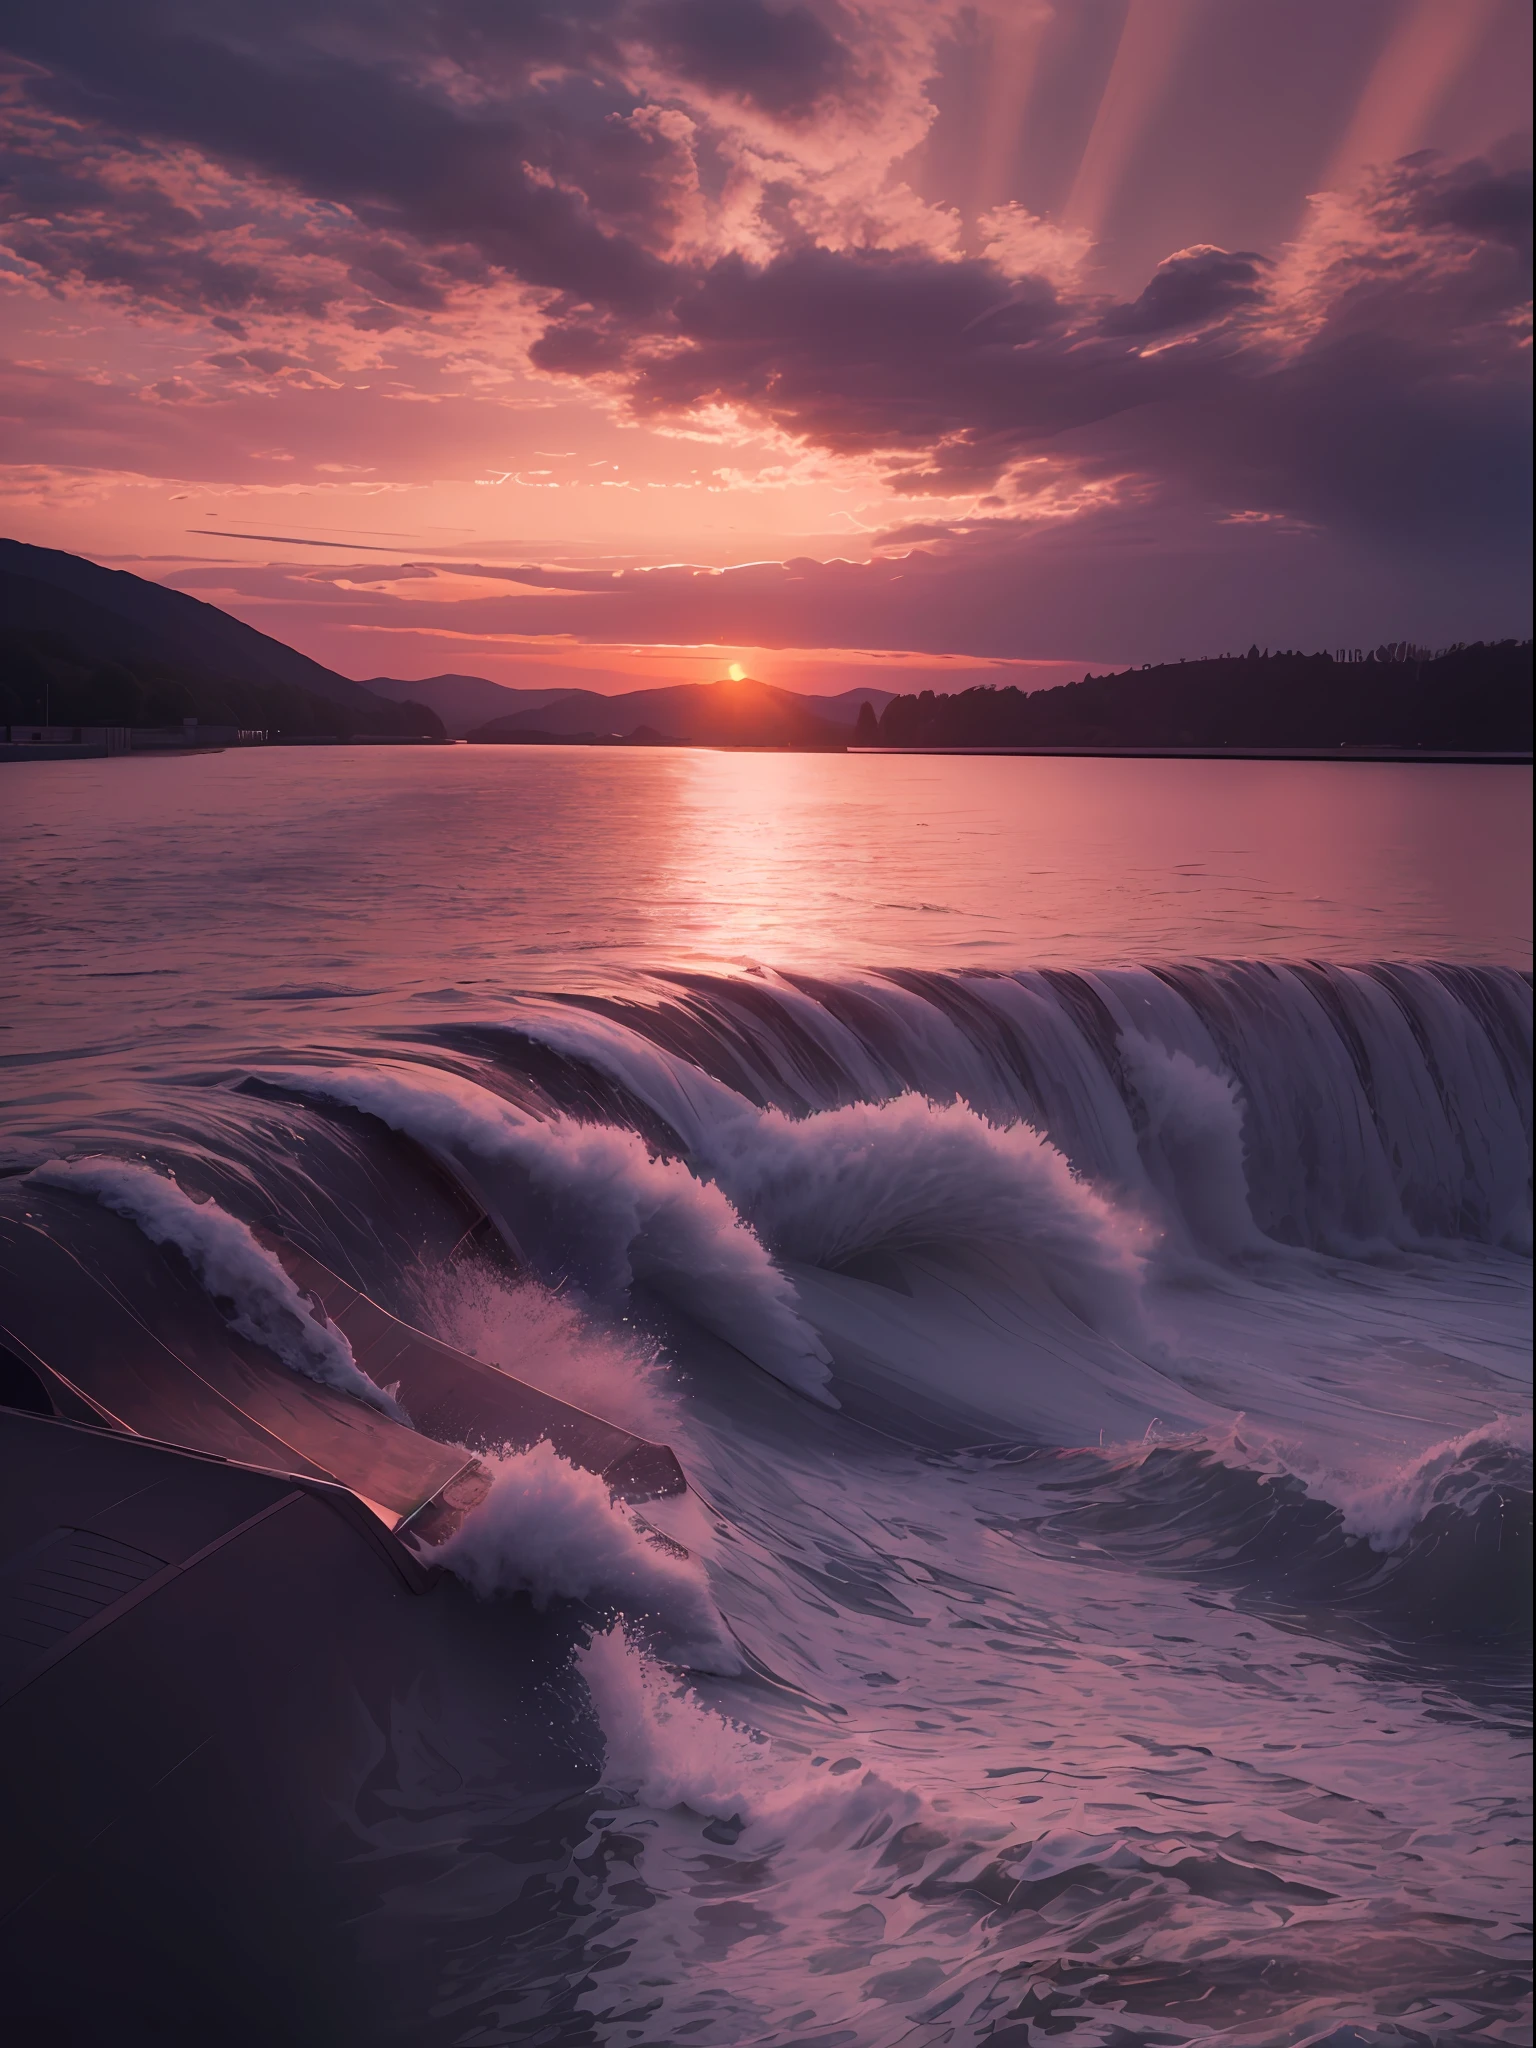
x=612, y=341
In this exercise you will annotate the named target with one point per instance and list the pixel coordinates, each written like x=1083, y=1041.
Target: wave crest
x=909, y=1174
x=1458, y=1477
x=231, y=1265
x=665, y=1748
x=551, y=1530
x=1440, y=1549
x=592, y=1204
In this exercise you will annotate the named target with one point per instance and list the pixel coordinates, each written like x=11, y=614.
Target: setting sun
x=736, y=672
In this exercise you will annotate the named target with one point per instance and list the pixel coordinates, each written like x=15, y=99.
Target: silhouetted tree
x=1472, y=698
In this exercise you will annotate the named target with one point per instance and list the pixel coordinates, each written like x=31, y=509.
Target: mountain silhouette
x=464, y=702
x=101, y=646
x=724, y=714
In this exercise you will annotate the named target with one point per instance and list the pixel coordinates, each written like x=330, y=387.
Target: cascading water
x=1345, y=1107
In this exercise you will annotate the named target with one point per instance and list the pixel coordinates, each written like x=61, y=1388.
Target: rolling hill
x=101, y=646
x=725, y=714
x=469, y=704
x=463, y=702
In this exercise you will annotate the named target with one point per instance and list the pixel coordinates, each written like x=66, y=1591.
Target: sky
x=610, y=342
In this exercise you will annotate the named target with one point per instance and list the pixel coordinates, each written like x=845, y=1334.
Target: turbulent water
x=1105, y=1396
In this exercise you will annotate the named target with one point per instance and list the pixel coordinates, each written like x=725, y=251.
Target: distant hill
x=100, y=646
x=466, y=704
x=724, y=714
x=1475, y=699
x=463, y=702
x=844, y=708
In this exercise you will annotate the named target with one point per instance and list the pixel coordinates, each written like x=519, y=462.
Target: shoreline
x=1421, y=756
x=1441, y=756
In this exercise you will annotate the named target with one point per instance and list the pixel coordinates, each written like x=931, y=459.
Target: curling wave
x=232, y=1266
x=1439, y=1548
x=593, y=1205
x=553, y=1531
x=909, y=1174
x=1247, y=1105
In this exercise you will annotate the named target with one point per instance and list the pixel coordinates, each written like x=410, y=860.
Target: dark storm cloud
x=862, y=349
x=1189, y=290
x=1469, y=199
x=1425, y=445
x=1389, y=390
x=948, y=369
x=325, y=104
x=784, y=59
x=497, y=136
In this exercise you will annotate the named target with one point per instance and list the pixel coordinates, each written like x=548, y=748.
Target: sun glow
x=736, y=672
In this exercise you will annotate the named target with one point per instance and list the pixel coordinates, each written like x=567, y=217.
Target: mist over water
x=1073, y=1223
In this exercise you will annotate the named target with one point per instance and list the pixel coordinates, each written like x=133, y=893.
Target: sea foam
x=591, y=1204
x=665, y=1748
x=911, y=1174
x=543, y=1338
x=1460, y=1474
x=551, y=1530
x=906, y=1173
x=231, y=1265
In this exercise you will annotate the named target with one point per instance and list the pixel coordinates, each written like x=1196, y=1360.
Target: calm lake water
x=138, y=892
x=1072, y=1221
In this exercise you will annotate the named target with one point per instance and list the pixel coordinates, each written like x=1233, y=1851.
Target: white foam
x=665, y=1748
x=552, y=1530
x=661, y=1745
x=1462, y=1471
x=895, y=1175
x=231, y=1265
x=1380, y=1107
x=592, y=1203
x=545, y=1340
x=911, y=1174
x=1193, y=1145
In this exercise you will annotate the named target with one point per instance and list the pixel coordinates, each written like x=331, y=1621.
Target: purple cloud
x=784, y=59
x=1189, y=290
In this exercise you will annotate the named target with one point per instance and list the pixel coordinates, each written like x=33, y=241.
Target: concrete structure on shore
x=96, y=742
x=63, y=742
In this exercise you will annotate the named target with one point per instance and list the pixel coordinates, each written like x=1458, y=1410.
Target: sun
x=736, y=672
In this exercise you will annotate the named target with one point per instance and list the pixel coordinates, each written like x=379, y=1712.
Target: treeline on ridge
x=1474, y=698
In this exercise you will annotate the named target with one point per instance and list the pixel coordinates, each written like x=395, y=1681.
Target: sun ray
x=1420, y=62
x=1017, y=36
x=1151, y=41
